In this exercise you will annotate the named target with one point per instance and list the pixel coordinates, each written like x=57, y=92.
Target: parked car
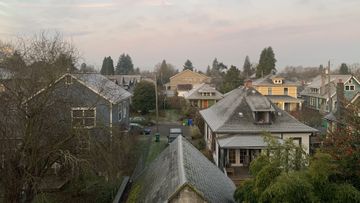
x=174, y=133
x=136, y=128
x=141, y=120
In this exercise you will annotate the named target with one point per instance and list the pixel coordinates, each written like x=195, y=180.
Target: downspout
x=111, y=120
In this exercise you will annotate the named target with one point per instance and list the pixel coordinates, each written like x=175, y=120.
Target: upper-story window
x=314, y=90
x=68, y=79
x=277, y=81
x=286, y=91
x=269, y=91
x=262, y=117
x=350, y=87
x=83, y=117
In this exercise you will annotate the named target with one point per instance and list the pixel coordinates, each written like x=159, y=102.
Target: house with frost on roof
x=88, y=101
x=181, y=173
x=234, y=127
x=203, y=96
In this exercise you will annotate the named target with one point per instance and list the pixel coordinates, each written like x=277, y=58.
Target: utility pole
x=157, y=107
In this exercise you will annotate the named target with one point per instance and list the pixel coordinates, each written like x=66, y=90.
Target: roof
x=98, y=84
x=124, y=79
x=224, y=117
x=179, y=165
x=187, y=70
x=195, y=93
x=102, y=86
x=267, y=81
x=285, y=98
x=316, y=82
x=243, y=141
x=259, y=103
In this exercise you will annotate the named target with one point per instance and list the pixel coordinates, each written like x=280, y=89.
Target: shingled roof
x=233, y=114
x=179, y=165
x=267, y=81
x=195, y=93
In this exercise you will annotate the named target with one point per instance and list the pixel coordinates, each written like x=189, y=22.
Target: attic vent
x=279, y=113
x=241, y=114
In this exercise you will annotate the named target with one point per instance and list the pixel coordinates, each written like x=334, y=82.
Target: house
x=5, y=77
x=181, y=173
x=280, y=91
x=127, y=82
x=234, y=128
x=203, y=96
x=90, y=100
x=335, y=119
x=321, y=93
x=185, y=81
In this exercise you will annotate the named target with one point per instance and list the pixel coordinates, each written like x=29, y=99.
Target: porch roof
x=244, y=141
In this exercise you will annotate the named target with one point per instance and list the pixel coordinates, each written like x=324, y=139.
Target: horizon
x=301, y=32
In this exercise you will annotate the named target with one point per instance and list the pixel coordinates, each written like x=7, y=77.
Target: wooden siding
x=187, y=77
x=292, y=91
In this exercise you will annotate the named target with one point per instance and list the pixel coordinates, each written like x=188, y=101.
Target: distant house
x=181, y=173
x=5, y=77
x=321, y=94
x=127, y=82
x=280, y=91
x=234, y=128
x=90, y=100
x=203, y=96
x=185, y=81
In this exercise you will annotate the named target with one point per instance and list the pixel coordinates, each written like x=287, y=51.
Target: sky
x=301, y=32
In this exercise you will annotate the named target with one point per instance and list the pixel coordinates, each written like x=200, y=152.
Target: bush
x=201, y=144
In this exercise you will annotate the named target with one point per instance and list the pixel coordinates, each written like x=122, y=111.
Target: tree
x=107, y=67
x=247, y=67
x=208, y=71
x=124, y=65
x=188, y=65
x=231, y=79
x=144, y=97
x=344, y=69
x=87, y=68
x=266, y=62
x=163, y=72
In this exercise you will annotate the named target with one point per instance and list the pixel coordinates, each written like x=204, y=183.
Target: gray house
x=89, y=101
x=234, y=128
x=181, y=173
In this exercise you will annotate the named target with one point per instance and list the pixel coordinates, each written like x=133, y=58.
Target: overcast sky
x=301, y=32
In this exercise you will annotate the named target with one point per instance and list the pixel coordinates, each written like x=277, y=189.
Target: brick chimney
x=248, y=83
x=340, y=100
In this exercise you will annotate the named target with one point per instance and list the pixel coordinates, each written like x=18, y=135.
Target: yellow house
x=280, y=91
x=185, y=81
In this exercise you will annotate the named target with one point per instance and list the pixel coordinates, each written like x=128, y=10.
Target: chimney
x=248, y=83
x=340, y=103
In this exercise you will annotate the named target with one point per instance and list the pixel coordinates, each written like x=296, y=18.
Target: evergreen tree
x=164, y=71
x=208, y=71
x=144, y=97
x=266, y=62
x=247, y=67
x=124, y=65
x=188, y=65
x=215, y=65
x=344, y=69
x=231, y=80
x=107, y=67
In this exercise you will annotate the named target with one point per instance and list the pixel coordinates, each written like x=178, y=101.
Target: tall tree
x=344, y=69
x=215, y=65
x=107, y=67
x=231, y=79
x=266, y=62
x=188, y=65
x=163, y=72
x=124, y=65
x=208, y=71
x=144, y=96
x=247, y=67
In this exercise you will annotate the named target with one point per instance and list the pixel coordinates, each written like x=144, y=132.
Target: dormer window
x=262, y=117
x=277, y=81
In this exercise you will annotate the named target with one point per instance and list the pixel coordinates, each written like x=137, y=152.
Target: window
x=68, y=79
x=124, y=110
x=269, y=91
x=262, y=117
x=350, y=87
x=83, y=117
x=243, y=156
x=297, y=140
x=232, y=156
x=312, y=101
x=286, y=91
x=120, y=111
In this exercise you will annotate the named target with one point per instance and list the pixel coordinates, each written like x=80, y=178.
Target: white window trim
x=83, y=109
x=349, y=87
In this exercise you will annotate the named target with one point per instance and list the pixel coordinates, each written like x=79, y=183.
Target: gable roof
x=268, y=81
x=97, y=83
x=180, y=165
x=195, y=93
x=316, y=82
x=223, y=117
x=187, y=70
